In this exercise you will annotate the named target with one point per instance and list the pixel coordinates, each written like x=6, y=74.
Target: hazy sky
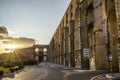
x=36, y=19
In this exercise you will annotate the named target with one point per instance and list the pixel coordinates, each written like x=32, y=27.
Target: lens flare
x=9, y=48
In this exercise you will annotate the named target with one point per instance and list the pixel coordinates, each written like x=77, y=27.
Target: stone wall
x=92, y=25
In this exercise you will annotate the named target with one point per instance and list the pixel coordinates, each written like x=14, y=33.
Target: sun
x=9, y=48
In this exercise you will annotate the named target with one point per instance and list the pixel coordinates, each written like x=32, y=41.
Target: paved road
x=49, y=71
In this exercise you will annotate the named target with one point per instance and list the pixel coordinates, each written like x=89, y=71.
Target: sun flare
x=9, y=48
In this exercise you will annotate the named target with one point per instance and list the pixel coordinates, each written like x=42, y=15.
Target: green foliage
x=16, y=68
x=7, y=65
x=1, y=73
x=21, y=66
x=5, y=70
x=30, y=62
x=12, y=70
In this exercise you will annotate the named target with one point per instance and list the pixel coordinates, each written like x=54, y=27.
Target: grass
x=6, y=70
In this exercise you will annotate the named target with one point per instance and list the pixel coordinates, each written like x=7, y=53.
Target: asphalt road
x=49, y=71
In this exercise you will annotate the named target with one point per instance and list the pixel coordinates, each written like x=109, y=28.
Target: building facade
x=88, y=36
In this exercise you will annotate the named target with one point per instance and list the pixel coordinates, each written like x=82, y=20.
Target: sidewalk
x=109, y=76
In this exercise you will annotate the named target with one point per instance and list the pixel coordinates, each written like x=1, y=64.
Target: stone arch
x=71, y=11
x=40, y=52
x=90, y=23
x=90, y=14
x=112, y=36
x=90, y=27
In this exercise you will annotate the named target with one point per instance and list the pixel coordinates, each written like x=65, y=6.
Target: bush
x=30, y=62
x=17, y=63
x=1, y=64
x=16, y=68
x=21, y=66
x=7, y=65
x=12, y=70
x=1, y=73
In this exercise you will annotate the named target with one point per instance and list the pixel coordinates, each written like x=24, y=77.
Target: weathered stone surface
x=90, y=24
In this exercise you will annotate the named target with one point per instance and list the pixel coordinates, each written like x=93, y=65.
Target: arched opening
x=44, y=54
x=112, y=34
x=90, y=34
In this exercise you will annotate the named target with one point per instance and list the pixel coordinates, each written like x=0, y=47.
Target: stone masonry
x=88, y=36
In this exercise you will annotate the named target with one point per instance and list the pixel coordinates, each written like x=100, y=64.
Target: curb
x=106, y=76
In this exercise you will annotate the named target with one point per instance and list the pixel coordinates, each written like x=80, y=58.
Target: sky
x=37, y=19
